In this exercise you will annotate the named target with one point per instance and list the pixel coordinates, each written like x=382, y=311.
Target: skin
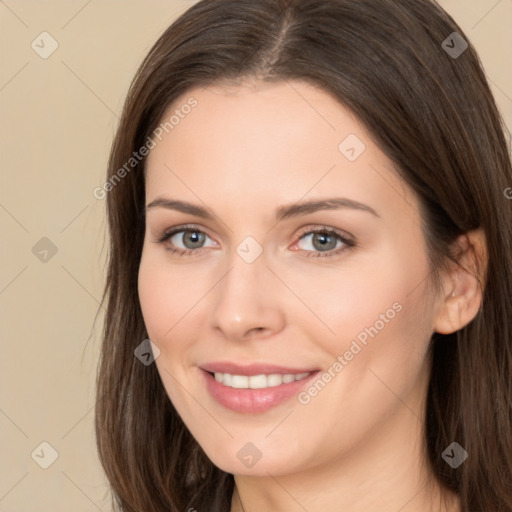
x=242, y=152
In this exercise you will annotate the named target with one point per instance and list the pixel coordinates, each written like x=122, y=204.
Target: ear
x=463, y=285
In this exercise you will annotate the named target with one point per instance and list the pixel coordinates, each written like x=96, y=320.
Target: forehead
x=268, y=143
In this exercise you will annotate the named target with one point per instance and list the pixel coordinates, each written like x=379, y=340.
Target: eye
x=184, y=240
x=325, y=242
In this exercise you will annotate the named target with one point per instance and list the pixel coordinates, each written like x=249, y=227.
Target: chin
x=246, y=459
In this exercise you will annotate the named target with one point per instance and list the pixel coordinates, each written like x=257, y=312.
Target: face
x=282, y=330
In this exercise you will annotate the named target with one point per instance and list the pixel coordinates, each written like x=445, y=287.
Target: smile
x=256, y=388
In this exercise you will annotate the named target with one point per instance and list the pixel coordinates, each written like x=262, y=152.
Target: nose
x=247, y=301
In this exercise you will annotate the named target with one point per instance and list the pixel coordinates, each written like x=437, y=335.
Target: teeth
x=240, y=381
x=258, y=381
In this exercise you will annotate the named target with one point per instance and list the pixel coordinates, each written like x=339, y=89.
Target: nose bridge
x=243, y=300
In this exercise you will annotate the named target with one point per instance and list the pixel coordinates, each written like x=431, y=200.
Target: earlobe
x=465, y=284
x=455, y=313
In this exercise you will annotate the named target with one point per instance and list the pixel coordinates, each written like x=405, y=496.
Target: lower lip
x=254, y=400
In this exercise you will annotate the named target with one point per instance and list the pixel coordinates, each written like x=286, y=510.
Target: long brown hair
x=432, y=113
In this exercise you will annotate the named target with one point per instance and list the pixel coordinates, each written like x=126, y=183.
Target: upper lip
x=251, y=369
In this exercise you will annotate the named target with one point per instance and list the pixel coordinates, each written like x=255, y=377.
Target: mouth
x=251, y=389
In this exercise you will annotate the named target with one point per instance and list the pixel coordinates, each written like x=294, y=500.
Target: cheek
x=166, y=292
x=161, y=297
x=345, y=301
x=152, y=298
x=175, y=303
x=379, y=313
x=382, y=291
x=384, y=351
x=164, y=304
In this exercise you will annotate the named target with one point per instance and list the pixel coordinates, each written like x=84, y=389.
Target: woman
x=309, y=220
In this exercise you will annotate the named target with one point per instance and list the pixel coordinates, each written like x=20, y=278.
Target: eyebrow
x=283, y=212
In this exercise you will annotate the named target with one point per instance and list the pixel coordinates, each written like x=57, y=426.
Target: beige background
x=58, y=116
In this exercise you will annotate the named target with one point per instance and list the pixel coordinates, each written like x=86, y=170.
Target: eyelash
x=349, y=244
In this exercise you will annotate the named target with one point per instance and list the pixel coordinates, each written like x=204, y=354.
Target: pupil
x=322, y=238
x=194, y=238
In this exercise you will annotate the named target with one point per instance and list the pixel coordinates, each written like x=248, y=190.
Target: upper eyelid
x=179, y=229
